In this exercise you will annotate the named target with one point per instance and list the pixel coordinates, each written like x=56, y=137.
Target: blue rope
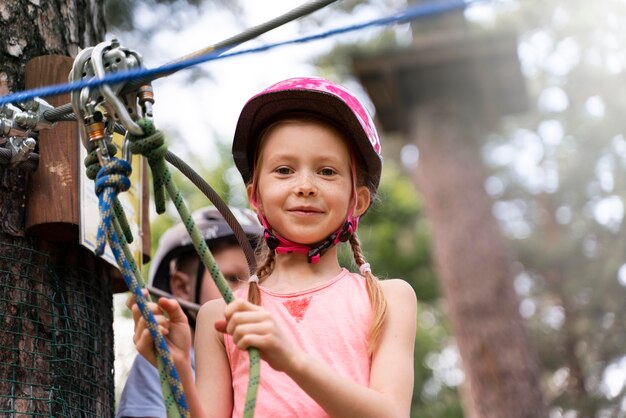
x=411, y=13
x=111, y=180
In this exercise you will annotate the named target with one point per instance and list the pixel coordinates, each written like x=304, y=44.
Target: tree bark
x=473, y=260
x=56, y=347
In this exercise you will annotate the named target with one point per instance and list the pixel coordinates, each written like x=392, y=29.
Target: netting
x=56, y=338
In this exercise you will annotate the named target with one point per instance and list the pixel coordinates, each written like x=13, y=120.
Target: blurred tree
x=559, y=175
x=441, y=107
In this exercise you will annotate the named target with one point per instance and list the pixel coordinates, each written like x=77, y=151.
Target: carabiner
x=79, y=98
x=116, y=106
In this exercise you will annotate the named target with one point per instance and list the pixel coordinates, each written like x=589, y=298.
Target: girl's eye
x=327, y=171
x=283, y=170
x=231, y=278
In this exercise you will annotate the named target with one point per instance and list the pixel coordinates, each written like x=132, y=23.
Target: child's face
x=305, y=182
x=232, y=262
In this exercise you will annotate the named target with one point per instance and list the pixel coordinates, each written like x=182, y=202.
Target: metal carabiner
x=116, y=106
x=79, y=98
x=95, y=125
x=110, y=101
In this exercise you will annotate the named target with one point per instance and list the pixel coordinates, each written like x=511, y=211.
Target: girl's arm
x=213, y=377
x=391, y=378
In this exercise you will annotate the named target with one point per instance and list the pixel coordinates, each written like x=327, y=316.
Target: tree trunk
x=473, y=260
x=56, y=348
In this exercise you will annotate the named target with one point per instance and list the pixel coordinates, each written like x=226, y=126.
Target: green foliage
x=431, y=337
x=395, y=235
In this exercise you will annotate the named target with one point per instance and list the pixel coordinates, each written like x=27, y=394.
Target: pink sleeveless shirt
x=330, y=322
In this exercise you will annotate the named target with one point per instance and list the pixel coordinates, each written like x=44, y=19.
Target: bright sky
x=207, y=109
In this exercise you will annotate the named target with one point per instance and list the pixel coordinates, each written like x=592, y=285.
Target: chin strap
x=313, y=252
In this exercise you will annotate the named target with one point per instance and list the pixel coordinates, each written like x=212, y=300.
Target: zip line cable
x=248, y=34
x=60, y=112
x=409, y=14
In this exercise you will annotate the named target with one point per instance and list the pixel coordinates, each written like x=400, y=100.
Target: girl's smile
x=305, y=210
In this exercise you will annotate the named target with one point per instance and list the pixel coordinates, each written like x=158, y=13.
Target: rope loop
x=92, y=163
x=113, y=174
x=152, y=145
x=111, y=179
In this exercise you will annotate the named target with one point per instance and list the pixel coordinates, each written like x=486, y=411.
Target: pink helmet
x=309, y=95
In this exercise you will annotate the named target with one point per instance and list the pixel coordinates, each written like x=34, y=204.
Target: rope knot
x=110, y=180
x=92, y=163
x=152, y=145
x=113, y=174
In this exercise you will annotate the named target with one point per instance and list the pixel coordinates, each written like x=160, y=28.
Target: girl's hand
x=175, y=329
x=252, y=326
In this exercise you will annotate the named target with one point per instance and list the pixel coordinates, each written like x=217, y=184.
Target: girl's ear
x=254, y=205
x=363, y=199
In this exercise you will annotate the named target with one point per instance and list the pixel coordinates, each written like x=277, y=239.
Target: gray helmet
x=176, y=242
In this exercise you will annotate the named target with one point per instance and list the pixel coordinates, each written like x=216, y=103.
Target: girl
x=332, y=343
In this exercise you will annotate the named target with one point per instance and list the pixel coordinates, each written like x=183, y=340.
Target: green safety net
x=56, y=337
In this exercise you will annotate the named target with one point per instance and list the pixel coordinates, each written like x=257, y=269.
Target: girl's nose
x=305, y=186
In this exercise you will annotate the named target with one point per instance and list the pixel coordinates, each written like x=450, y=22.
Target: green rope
x=152, y=146
x=93, y=166
x=168, y=397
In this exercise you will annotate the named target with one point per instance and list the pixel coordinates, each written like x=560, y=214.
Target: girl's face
x=304, y=181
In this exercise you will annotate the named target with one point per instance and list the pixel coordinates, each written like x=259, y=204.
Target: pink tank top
x=330, y=322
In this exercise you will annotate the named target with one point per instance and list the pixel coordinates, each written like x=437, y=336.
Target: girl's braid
x=263, y=270
x=267, y=266
x=377, y=298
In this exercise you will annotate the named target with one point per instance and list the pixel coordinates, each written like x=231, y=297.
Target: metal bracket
x=19, y=127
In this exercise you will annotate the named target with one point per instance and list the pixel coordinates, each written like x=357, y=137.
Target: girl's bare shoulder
x=212, y=309
x=398, y=291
